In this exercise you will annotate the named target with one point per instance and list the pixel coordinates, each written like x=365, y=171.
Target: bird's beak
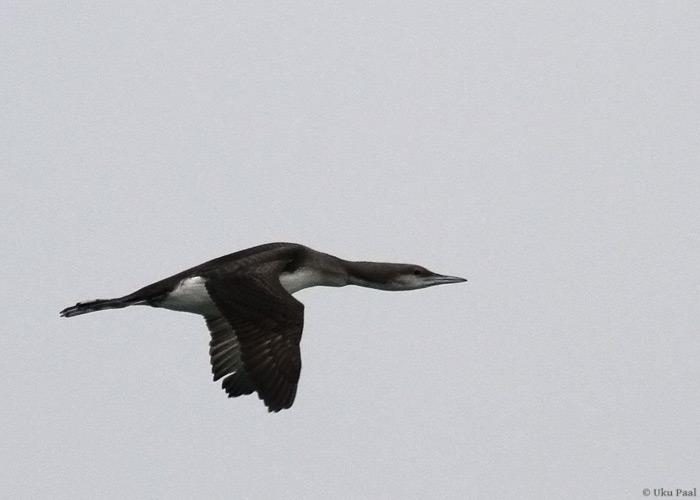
x=439, y=279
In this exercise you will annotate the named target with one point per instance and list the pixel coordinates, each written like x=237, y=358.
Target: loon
x=254, y=322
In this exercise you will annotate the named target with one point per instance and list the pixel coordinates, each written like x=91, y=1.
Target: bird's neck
x=332, y=271
x=367, y=274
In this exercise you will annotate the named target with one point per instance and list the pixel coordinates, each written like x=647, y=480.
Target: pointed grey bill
x=439, y=279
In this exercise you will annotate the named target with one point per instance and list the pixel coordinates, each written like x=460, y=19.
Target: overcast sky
x=547, y=151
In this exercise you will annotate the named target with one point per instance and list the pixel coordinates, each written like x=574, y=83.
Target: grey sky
x=548, y=152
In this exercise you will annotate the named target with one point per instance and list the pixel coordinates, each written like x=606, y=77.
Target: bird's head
x=397, y=277
x=412, y=277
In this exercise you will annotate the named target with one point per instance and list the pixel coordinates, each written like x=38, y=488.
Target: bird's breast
x=305, y=277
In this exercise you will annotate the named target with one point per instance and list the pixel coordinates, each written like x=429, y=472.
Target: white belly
x=190, y=296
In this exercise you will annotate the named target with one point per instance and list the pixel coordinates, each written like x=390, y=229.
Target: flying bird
x=254, y=322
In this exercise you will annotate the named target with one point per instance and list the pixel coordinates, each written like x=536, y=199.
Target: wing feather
x=263, y=326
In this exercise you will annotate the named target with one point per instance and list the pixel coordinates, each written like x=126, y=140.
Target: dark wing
x=226, y=361
x=260, y=346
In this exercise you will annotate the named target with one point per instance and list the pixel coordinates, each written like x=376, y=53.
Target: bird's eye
x=417, y=272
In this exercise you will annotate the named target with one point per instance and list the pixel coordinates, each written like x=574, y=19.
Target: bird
x=254, y=322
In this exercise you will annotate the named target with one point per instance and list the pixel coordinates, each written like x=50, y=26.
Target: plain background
x=547, y=151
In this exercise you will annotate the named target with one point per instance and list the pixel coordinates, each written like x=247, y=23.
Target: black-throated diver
x=254, y=322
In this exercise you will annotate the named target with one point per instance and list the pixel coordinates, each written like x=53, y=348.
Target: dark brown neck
x=369, y=274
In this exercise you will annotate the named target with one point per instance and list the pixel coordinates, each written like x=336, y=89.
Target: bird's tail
x=95, y=305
